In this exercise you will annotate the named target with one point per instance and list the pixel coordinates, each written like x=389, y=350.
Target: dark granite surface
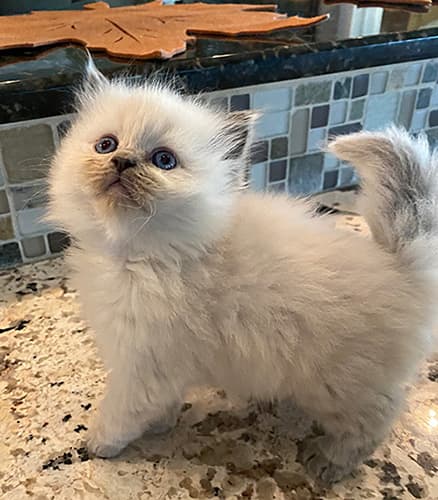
x=38, y=83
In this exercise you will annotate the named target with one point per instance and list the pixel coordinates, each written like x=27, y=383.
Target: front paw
x=102, y=446
x=314, y=457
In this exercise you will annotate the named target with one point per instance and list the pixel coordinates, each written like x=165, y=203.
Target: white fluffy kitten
x=185, y=280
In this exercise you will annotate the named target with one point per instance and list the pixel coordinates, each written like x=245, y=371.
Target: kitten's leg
x=353, y=430
x=137, y=398
x=168, y=421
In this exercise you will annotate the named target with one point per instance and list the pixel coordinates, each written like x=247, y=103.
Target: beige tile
x=26, y=151
x=6, y=228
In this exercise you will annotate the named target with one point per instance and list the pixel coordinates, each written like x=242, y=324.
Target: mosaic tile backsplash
x=298, y=117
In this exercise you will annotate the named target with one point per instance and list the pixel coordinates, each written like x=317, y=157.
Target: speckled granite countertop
x=51, y=381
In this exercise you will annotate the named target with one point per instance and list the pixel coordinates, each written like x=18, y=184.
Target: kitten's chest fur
x=203, y=310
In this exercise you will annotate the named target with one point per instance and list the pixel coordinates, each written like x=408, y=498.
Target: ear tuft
x=93, y=78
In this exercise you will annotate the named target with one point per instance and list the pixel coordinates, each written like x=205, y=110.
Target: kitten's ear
x=238, y=130
x=93, y=78
x=93, y=81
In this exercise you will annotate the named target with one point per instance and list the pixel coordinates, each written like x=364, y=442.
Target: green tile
x=58, y=242
x=10, y=255
x=220, y=103
x=342, y=89
x=407, y=108
x=26, y=151
x=313, y=93
x=34, y=247
x=4, y=204
x=430, y=72
x=62, y=128
x=298, y=131
x=278, y=187
x=6, y=229
x=305, y=174
x=356, y=110
x=432, y=136
x=396, y=79
x=279, y=147
x=29, y=196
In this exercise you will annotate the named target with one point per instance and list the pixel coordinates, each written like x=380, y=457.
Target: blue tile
x=277, y=170
x=360, y=85
x=330, y=179
x=258, y=177
x=345, y=129
x=347, y=177
x=316, y=139
x=381, y=110
x=239, y=102
x=413, y=74
x=272, y=124
x=320, y=116
x=338, y=112
x=434, y=98
x=32, y=221
x=433, y=118
x=29, y=196
x=418, y=121
x=430, y=72
x=378, y=82
x=330, y=162
x=259, y=152
x=423, y=99
x=273, y=99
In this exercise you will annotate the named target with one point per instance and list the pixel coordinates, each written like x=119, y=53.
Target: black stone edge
x=50, y=96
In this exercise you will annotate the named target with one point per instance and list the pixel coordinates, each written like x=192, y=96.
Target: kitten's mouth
x=116, y=186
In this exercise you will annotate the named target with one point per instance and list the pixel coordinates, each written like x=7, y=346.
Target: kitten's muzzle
x=122, y=163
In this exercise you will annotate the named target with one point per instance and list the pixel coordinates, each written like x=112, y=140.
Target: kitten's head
x=144, y=167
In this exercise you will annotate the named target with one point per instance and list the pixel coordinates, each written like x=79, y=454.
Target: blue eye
x=106, y=144
x=164, y=159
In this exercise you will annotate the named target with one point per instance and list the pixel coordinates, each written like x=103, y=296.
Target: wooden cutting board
x=151, y=30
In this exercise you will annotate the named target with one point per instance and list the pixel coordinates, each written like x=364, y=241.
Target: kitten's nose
x=121, y=163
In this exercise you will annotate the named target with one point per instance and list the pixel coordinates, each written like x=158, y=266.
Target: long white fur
x=249, y=292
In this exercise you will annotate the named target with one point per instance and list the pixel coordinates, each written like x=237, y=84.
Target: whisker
x=153, y=211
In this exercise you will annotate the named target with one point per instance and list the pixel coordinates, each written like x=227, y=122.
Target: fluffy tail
x=399, y=178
